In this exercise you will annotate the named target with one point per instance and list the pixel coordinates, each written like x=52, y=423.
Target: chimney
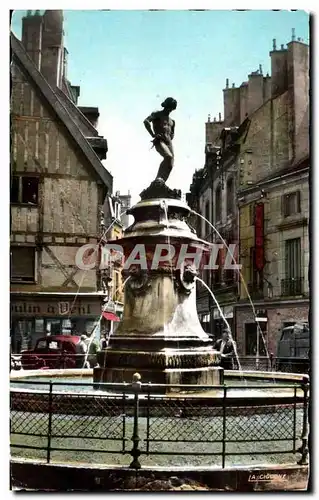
x=32, y=36
x=52, y=47
x=65, y=63
x=75, y=89
x=298, y=84
x=255, y=97
x=231, y=105
x=293, y=35
x=220, y=117
x=279, y=71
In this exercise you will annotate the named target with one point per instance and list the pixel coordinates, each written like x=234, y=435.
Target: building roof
x=64, y=112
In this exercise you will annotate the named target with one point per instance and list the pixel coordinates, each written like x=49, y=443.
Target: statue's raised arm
x=148, y=124
x=162, y=128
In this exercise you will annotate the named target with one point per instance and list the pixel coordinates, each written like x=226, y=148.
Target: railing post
x=271, y=361
x=49, y=424
x=224, y=427
x=136, y=385
x=304, y=450
x=148, y=419
x=294, y=419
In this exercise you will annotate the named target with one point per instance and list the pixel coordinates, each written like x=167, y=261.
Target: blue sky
x=127, y=62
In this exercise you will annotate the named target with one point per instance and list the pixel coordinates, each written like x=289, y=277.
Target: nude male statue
x=163, y=134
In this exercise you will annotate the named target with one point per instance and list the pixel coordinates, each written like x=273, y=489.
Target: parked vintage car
x=293, y=349
x=53, y=351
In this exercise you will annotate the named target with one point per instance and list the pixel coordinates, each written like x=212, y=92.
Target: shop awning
x=110, y=316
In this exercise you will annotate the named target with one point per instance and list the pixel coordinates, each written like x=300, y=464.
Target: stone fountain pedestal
x=160, y=335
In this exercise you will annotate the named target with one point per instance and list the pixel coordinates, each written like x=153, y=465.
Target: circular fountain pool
x=261, y=414
x=249, y=384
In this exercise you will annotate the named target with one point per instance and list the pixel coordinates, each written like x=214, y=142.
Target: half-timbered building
x=58, y=188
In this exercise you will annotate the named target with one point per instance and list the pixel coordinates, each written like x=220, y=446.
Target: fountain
x=160, y=335
x=159, y=346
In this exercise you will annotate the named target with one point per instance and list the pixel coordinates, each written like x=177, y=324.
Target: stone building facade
x=273, y=199
x=58, y=187
x=126, y=203
x=262, y=147
x=113, y=282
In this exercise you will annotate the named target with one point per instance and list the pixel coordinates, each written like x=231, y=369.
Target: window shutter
x=22, y=262
x=284, y=205
x=298, y=208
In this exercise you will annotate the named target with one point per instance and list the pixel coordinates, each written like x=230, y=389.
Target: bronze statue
x=163, y=133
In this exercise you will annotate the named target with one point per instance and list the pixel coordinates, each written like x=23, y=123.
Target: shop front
x=38, y=314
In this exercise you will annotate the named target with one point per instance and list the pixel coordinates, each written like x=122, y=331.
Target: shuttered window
x=293, y=258
x=252, y=214
x=23, y=264
x=230, y=196
x=291, y=203
x=218, y=203
x=207, y=226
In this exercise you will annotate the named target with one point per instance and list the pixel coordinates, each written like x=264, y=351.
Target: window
x=23, y=264
x=292, y=285
x=39, y=326
x=53, y=327
x=252, y=214
x=256, y=284
x=24, y=189
x=253, y=270
x=293, y=258
x=66, y=327
x=291, y=203
x=53, y=345
x=230, y=196
x=14, y=190
x=230, y=275
x=22, y=335
x=100, y=194
x=217, y=274
x=206, y=277
x=218, y=203
x=251, y=338
x=42, y=344
x=207, y=227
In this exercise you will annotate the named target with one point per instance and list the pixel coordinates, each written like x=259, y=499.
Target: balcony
x=255, y=291
x=292, y=287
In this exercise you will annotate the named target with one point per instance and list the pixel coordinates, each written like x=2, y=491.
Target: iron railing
x=207, y=426
x=255, y=292
x=292, y=287
x=63, y=361
x=272, y=363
